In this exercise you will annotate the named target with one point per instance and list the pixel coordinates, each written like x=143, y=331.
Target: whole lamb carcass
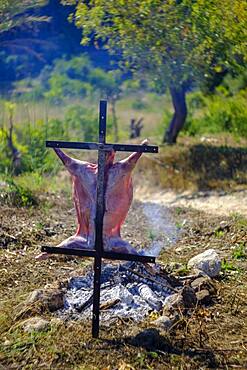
x=118, y=198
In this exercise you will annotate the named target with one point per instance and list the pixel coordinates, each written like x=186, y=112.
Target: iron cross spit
x=118, y=198
x=102, y=196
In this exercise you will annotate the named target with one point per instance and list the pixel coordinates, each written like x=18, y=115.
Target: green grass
x=239, y=252
x=240, y=220
x=219, y=233
x=227, y=266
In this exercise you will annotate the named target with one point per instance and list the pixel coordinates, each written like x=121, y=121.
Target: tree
x=13, y=13
x=180, y=43
x=77, y=77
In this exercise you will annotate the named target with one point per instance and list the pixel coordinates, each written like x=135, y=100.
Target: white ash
x=134, y=296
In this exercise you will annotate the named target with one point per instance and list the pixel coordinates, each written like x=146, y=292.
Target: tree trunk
x=15, y=154
x=179, y=116
x=114, y=119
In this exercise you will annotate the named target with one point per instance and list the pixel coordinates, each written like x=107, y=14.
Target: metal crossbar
x=98, y=253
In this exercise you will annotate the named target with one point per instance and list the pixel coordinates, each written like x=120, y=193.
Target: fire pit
x=129, y=291
x=92, y=232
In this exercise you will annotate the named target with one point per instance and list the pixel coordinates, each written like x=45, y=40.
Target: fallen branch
x=152, y=279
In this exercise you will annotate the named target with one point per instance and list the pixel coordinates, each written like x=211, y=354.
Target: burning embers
x=128, y=291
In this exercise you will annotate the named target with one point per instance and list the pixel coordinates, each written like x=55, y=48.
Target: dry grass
x=195, y=165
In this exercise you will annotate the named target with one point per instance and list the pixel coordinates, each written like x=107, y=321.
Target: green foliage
x=35, y=156
x=178, y=44
x=62, y=87
x=16, y=195
x=196, y=100
x=234, y=84
x=176, y=41
x=12, y=13
x=227, y=266
x=5, y=156
x=217, y=113
x=70, y=79
x=239, y=252
x=29, y=139
x=139, y=104
x=240, y=220
x=109, y=84
x=83, y=122
x=219, y=233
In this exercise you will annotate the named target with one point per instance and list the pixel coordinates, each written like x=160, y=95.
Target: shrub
x=16, y=195
x=30, y=139
x=35, y=155
x=220, y=114
x=83, y=122
x=5, y=158
x=139, y=104
x=61, y=87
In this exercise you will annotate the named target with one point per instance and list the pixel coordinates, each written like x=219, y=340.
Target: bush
x=62, y=87
x=220, y=114
x=196, y=100
x=5, y=158
x=16, y=195
x=30, y=139
x=139, y=104
x=83, y=122
x=35, y=155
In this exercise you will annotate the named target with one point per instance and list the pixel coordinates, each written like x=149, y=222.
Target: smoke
x=163, y=232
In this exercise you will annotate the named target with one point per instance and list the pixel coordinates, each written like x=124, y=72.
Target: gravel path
x=218, y=203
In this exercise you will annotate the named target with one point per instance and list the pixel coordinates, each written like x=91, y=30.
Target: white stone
x=35, y=296
x=208, y=262
x=35, y=324
x=163, y=322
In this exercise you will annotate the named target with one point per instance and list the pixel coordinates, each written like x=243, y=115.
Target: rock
x=208, y=262
x=204, y=297
x=35, y=324
x=54, y=300
x=51, y=299
x=184, y=299
x=34, y=296
x=189, y=297
x=163, y=322
x=202, y=283
x=174, y=301
x=224, y=226
x=38, y=301
x=148, y=338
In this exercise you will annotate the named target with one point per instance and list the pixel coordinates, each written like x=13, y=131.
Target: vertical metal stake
x=100, y=208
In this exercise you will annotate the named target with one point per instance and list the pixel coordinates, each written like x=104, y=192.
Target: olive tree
x=179, y=43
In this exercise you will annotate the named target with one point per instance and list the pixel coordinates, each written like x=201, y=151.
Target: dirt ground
x=212, y=336
x=215, y=202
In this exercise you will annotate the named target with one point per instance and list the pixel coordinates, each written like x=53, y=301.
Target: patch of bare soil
x=208, y=336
